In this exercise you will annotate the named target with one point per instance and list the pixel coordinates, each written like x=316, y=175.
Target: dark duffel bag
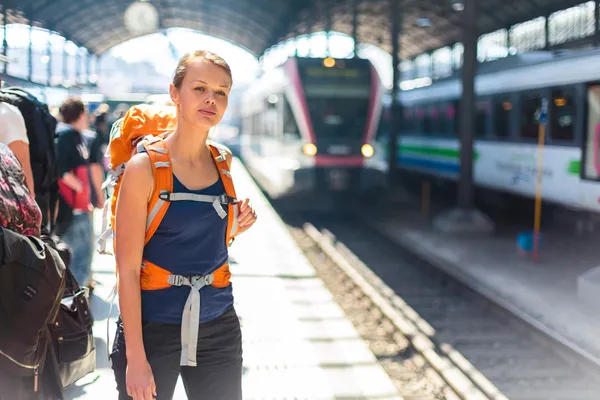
x=72, y=337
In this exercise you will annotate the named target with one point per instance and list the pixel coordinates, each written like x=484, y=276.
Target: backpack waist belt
x=154, y=277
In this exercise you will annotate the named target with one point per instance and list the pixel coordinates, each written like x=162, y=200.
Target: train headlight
x=367, y=150
x=309, y=149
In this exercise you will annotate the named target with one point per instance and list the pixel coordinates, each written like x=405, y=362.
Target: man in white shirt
x=14, y=134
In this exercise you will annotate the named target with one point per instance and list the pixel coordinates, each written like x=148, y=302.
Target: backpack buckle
x=198, y=282
x=164, y=195
x=225, y=199
x=175, y=280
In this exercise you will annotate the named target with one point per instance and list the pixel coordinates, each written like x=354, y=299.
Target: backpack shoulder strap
x=163, y=183
x=220, y=156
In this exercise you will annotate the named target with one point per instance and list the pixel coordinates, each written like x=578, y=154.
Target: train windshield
x=337, y=97
x=334, y=117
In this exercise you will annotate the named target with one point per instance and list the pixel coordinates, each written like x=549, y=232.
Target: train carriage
x=509, y=93
x=309, y=126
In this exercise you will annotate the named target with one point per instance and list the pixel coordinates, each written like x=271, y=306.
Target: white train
x=308, y=128
x=509, y=93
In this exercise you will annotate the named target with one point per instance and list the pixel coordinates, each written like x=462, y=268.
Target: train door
x=271, y=131
x=590, y=166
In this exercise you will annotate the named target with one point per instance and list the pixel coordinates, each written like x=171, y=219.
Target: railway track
x=437, y=338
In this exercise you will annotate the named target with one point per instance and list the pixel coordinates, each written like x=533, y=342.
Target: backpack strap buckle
x=176, y=280
x=225, y=199
x=164, y=195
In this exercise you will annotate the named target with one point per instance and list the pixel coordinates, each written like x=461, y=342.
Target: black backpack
x=41, y=129
x=32, y=284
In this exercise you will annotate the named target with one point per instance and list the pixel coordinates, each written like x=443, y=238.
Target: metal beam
x=395, y=33
x=355, y=4
x=287, y=20
x=467, y=105
x=596, y=22
x=49, y=65
x=4, y=41
x=30, y=54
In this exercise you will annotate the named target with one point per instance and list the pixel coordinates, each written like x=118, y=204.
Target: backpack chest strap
x=216, y=201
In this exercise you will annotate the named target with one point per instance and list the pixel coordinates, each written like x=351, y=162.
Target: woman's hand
x=140, y=380
x=247, y=216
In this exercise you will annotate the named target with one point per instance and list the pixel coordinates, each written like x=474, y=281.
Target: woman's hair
x=205, y=55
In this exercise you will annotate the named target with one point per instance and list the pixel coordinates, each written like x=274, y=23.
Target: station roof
x=257, y=25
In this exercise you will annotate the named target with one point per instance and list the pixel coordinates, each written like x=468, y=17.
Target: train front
x=340, y=107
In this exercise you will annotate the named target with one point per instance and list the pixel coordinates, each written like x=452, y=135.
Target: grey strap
x=191, y=315
x=166, y=196
x=219, y=209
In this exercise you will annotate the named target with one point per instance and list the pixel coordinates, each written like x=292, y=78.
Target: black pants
x=218, y=375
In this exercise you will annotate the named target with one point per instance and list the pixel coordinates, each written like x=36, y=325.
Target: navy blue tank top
x=189, y=241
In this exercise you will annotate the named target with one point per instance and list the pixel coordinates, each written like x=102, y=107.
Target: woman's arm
x=21, y=150
x=135, y=192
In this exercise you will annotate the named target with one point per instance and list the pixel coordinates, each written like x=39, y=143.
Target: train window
x=424, y=120
x=420, y=116
x=335, y=117
x=429, y=122
x=385, y=124
x=410, y=123
x=447, y=118
x=562, y=114
x=531, y=103
x=502, y=113
x=483, y=112
x=290, y=127
x=591, y=168
x=453, y=113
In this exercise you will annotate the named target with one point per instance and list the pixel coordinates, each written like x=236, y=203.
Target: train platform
x=545, y=292
x=297, y=342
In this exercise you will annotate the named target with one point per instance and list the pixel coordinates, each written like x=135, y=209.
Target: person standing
x=74, y=221
x=189, y=243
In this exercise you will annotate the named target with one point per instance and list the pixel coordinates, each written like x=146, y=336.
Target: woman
x=189, y=241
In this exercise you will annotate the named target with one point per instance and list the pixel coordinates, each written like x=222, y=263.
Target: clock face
x=140, y=18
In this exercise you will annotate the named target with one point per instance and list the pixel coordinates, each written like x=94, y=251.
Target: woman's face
x=203, y=96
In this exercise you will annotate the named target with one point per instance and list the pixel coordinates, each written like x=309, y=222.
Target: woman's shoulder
x=139, y=169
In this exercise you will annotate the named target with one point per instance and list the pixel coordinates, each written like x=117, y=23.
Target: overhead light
x=141, y=17
x=423, y=22
x=458, y=5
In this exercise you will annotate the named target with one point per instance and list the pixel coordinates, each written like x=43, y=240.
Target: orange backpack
x=142, y=130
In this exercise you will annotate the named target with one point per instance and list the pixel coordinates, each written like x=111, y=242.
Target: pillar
x=465, y=219
x=355, y=4
x=30, y=54
x=395, y=104
x=467, y=105
x=5, y=40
